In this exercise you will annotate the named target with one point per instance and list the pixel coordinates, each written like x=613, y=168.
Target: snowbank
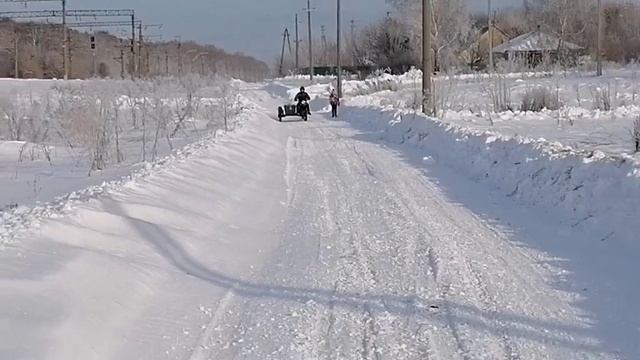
x=590, y=189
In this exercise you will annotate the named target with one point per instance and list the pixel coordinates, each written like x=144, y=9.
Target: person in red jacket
x=335, y=102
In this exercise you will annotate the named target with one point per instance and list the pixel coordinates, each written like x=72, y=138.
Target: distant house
x=536, y=46
x=477, y=54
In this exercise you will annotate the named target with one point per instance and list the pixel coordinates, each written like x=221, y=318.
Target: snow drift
x=591, y=189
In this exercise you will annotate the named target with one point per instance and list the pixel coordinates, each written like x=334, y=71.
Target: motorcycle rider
x=302, y=96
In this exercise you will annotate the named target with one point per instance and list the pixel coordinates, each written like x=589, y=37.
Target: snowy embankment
x=575, y=161
x=594, y=190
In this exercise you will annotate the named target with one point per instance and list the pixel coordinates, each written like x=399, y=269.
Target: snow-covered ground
x=385, y=235
x=48, y=132
x=580, y=122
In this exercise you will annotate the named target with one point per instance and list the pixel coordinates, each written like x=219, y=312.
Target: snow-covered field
x=382, y=235
x=57, y=138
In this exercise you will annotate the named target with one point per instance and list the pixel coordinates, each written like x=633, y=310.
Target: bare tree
x=387, y=45
x=452, y=29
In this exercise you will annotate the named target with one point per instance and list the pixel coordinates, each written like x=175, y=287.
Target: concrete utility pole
x=490, y=14
x=311, y=71
x=339, y=49
x=599, y=40
x=427, y=64
x=297, y=46
x=285, y=40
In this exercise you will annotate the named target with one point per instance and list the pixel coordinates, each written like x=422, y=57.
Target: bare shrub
x=15, y=114
x=443, y=90
x=539, y=98
x=499, y=90
x=107, y=122
x=230, y=102
x=602, y=98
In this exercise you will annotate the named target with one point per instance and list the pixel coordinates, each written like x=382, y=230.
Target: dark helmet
x=302, y=88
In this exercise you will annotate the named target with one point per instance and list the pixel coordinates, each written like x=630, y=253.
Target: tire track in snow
x=202, y=350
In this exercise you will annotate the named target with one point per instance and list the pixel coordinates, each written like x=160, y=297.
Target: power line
x=65, y=36
x=80, y=14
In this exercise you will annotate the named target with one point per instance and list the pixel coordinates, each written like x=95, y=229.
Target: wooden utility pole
x=427, y=63
x=599, y=40
x=311, y=70
x=339, y=49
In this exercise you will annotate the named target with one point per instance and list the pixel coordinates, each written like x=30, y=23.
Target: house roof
x=485, y=30
x=535, y=41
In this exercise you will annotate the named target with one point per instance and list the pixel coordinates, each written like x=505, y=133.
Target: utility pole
x=180, y=63
x=134, y=63
x=353, y=29
x=122, y=59
x=93, y=55
x=427, y=64
x=353, y=43
x=297, y=46
x=339, y=50
x=311, y=71
x=139, y=50
x=285, y=40
x=599, y=40
x=323, y=40
x=166, y=62
x=490, y=14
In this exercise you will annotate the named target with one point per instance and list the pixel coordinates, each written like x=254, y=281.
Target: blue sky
x=253, y=27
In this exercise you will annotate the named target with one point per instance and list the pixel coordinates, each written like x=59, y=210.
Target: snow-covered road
x=285, y=241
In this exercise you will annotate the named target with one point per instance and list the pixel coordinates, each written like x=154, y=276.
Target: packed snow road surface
x=284, y=241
